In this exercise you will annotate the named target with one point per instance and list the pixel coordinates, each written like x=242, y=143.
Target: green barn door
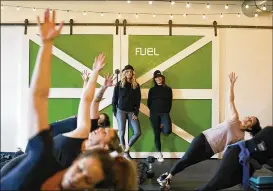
x=73, y=54
x=189, y=61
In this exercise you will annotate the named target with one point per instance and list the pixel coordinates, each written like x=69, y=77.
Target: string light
x=128, y=1
x=264, y=8
x=247, y=6
x=150, y=2
x=171, y=15
x=203, y=16
x=256, y=14
x=101, y=14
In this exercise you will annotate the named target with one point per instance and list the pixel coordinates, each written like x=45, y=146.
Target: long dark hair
x=106, y=122
x=256, y=128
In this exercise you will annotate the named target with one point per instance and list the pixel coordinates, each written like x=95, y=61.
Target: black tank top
x=66, y=149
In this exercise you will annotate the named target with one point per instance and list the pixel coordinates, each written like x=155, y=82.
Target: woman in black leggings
x=160, y=104
x=214, y=140
x=230, y=172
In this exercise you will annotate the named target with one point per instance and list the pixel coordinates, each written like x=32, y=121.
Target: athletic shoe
x=160, y=157
x=162, y=178
x=127, y=155
x=166, y=184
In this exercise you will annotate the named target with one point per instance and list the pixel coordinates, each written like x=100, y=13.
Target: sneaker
x=127, y=155
x=166, y=184
x=162, y=177
x=160, y=158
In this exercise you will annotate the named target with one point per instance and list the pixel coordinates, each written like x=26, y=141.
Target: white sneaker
x=160, y=157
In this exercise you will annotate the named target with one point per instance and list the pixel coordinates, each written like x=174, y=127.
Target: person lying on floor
x=241, y=160
x=214, y=140
x=70, y=141
x=96, y=167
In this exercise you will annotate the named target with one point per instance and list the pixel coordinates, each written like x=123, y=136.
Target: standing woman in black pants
x=160, y=104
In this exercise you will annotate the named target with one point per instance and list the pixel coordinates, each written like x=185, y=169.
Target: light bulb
x=128, y=1
x=119, y=15
x=184, y=14
x=188, y=5
x=247, y=6
x=154, y=15
x=239, y=15
x=172, y=2
x=208, y=5
x=226, y=6
x=101, y=14
x=136, y=15
x=150, y=2
x=264, y=8
x=203, y=16
x=256, y=15
x=34, y=9
x=221, y=15
x=84, y=13
x=18, y=8
x=171, y=16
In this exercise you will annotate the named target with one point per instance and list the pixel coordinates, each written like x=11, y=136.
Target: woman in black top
x=160, y=104
x=93, y=167
x=230, y=172
x=126, y=103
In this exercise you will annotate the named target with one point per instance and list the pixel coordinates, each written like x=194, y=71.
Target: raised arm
x=83, y=121
x=232, y=108
x=40, y=83
x=96, y=101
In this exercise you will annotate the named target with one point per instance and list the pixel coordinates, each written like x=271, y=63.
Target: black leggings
x=198, y=151
x=229, y=173
x=156, y=120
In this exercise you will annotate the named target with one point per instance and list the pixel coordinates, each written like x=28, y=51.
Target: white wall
x=11, y=48
x=248, y=52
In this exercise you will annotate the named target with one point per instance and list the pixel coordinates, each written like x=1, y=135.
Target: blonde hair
x=123, y=79
x=125, y=174
x=114, y=143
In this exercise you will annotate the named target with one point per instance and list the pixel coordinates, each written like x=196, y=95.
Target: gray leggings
x=121, y=118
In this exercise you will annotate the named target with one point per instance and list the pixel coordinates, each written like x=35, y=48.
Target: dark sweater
x=160, y=99
x=126, y=99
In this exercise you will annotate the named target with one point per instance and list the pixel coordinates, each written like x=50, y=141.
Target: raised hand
x=99, y=62
x=232, y=77
x=109, y=80
x=47, y=29
x=85, y=75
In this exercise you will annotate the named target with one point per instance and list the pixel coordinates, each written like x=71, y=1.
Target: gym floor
x=188, y=180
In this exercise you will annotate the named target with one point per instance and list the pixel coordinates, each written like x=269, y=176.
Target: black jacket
x=126, y=99
x=160, y=99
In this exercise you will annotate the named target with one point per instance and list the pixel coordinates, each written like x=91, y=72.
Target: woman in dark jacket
x=126, y=103
x=160, y=104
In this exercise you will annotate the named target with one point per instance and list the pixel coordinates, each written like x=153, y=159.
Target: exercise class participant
x=214, y=140
x=160, y=104
x=70, y=124
x=87, y=171
x=236, y=166
x=126, y=103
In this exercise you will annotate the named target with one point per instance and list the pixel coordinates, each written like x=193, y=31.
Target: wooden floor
x=188, y=180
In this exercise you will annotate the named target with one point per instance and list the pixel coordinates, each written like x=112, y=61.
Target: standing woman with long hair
x=126, y=103
x=160, y=103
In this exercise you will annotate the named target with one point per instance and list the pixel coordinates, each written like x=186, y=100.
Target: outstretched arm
x=83, y=121
x=232, y=108
x=40, y=84
x=96, y=101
